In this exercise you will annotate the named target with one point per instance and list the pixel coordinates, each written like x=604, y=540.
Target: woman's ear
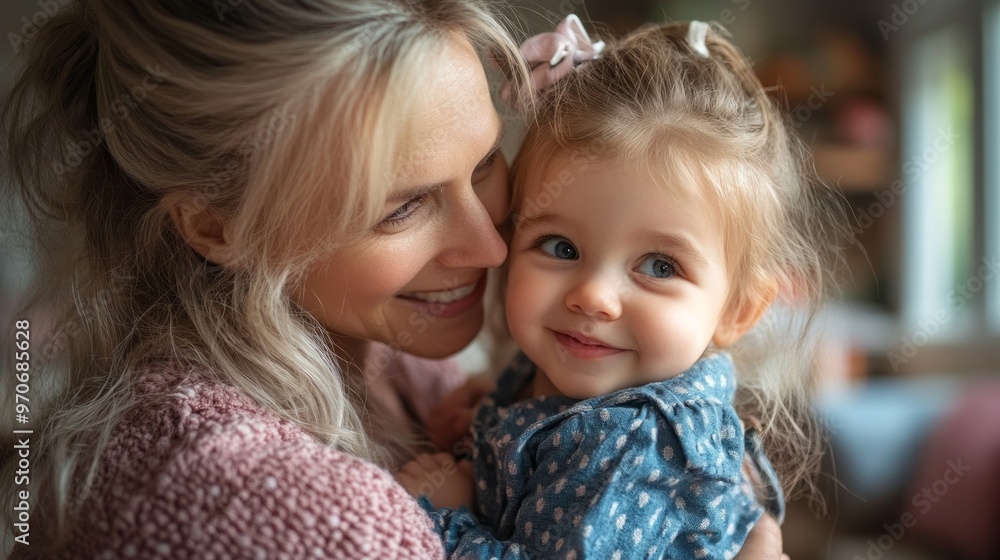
x=737, y=320
x=201, y=228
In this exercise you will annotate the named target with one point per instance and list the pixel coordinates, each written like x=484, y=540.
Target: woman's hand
x=438, y=477
x=451, y=418
x=763, y=542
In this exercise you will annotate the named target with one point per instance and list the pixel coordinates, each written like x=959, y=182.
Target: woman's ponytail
x=50, y=116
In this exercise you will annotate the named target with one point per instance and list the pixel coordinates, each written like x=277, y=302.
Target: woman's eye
x=405, y=211
x=486, y=168
x=559, y=248
x=658, y=266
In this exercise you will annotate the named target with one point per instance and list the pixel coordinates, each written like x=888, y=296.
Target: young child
x=659, y=211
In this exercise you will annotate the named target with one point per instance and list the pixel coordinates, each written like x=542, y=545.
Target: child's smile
x=584, y=347
x=619, y=281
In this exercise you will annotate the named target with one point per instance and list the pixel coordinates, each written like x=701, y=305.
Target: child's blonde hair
x=651, y=101
x=281, y=117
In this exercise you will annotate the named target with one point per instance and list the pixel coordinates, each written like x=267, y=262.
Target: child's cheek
x=522, y=293
x=672, y=339
x=533, y=296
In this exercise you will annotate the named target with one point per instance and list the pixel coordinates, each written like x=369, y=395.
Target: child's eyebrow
x=677, y=243
x=536, y=219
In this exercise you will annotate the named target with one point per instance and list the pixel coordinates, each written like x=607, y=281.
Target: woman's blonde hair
x=279, y=117
x=653, y=102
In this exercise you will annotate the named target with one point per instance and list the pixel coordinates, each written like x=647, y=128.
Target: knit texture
x=201, y=471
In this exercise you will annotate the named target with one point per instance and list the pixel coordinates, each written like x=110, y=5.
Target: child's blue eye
x=658, y=266
x=559, y=248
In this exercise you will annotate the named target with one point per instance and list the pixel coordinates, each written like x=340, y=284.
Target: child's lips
x=585, y=347
x=584, y=339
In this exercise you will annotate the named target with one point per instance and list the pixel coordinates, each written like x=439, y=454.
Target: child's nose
x=596, y=296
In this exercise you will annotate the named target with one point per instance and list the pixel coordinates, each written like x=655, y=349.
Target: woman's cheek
x=379, y=273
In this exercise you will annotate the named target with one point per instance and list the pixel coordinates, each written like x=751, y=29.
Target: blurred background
x=900, y=101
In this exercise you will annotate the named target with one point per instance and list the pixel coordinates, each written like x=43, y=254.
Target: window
x=991, y=68
x=937, y=170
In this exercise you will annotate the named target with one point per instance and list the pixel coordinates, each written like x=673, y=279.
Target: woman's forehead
x=453, y=120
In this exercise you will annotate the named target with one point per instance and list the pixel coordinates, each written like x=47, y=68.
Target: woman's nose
x=473, y=240
x=596, y=296
x=494, y=191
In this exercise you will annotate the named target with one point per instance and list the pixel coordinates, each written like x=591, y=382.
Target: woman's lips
x=448, y=303
x=585, y=347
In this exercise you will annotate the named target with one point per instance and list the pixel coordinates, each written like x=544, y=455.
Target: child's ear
x=737, y=320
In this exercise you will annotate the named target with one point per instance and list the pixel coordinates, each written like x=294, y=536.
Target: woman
x=285, y=212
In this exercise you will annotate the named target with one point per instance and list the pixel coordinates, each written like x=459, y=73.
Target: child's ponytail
x=737, y=65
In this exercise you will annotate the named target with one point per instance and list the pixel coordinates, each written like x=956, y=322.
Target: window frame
x=972, y=346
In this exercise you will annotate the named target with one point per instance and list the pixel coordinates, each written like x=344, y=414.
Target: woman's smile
x=448, y=303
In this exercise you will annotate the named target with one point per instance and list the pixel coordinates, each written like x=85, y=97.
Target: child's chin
x=580, y=391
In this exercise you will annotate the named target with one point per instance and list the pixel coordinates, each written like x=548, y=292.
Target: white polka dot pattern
x=646, y=472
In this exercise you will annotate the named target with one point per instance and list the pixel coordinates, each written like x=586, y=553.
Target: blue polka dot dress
x=644, y=472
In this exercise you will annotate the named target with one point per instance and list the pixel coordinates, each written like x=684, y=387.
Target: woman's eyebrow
x=413, y=192
x=496, y=143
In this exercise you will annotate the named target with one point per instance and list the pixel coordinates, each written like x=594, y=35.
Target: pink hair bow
x=554, y=54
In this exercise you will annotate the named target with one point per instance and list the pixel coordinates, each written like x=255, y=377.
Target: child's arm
x=763, y=542
x=451, y=418
x=445, y=490
x=438, y=477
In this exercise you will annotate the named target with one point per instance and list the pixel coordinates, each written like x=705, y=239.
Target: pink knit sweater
x=206, y=473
